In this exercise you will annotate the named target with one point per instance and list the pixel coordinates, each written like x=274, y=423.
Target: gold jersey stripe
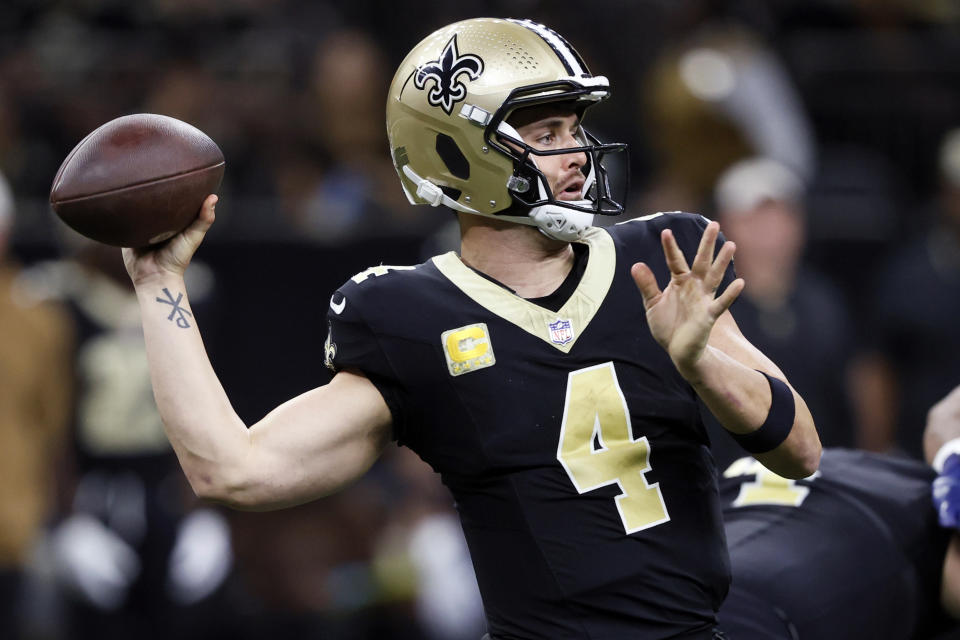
x=534, y=319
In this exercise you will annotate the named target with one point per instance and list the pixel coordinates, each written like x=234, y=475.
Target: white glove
x=94, y=561
x=448, y=599
x=201, y=558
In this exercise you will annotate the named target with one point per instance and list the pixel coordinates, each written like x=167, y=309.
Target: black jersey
x=854, y=551
x=574, y=450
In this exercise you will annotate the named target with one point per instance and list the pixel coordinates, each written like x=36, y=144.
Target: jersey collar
x=579, y=309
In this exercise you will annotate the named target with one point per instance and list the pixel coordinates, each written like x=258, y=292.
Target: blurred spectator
x=130, y=551
x=344, y=183
x=306, y=572
x=35, y=389
x=912, y=358
x=718, y=96
x=875, y=76
x=386, y=558
x=790, y=313
x=425, y=532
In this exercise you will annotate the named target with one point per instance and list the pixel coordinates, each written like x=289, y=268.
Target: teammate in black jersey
x=558, y=403
x=855, y=551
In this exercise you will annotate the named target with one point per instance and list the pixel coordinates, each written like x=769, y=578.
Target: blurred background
x=823, y=134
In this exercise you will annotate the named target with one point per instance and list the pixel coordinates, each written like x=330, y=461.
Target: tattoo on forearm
x=181, y=313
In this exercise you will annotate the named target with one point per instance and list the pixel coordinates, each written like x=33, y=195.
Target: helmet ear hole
x=450, y=192
x=523, y=185
x=449, y=152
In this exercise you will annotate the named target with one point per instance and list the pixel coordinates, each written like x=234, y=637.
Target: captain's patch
x=467, y=349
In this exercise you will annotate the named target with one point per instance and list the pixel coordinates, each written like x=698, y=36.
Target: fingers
x=207, y=214
x=704, y=257
x=705, y=266
x=198, y=228
x=671, y=251
x=716, y=271
x=722, y=302
x=646, y=283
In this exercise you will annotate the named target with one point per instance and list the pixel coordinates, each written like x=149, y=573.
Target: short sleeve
x=352, y=344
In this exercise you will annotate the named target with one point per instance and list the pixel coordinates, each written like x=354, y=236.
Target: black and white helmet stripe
x=568, y=55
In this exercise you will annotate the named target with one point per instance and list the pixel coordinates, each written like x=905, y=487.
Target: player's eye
x=546, y=139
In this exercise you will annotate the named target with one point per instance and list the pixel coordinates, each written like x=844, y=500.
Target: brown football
x=137, y=180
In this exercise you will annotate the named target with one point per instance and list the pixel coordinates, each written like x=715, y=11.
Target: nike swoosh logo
x=338, y=308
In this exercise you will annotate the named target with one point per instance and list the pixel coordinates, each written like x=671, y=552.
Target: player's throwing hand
x=173, y=256
x=682, y=315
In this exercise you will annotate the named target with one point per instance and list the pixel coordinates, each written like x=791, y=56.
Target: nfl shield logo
x=561, y=331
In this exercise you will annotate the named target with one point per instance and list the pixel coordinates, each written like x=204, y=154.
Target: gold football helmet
x=447, y=122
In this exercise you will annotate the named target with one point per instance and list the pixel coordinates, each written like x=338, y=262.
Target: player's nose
x=574, y=159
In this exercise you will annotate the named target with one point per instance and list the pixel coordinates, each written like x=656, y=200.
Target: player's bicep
x=318, y=442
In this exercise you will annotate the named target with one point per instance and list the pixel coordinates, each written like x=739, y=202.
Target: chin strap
x=559, y=223
x=430, y=192
x=434, y=196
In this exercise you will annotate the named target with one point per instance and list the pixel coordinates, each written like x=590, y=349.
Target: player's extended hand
x=946, y=493
x=173, y=256
x=682, y=315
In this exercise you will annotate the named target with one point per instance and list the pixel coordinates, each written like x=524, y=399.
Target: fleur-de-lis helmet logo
x=446, y=72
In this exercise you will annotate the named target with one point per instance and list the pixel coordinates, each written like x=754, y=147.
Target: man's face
x=769, y=235
x=551, y=127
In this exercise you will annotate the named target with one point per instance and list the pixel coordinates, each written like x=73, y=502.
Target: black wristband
x=778, y=424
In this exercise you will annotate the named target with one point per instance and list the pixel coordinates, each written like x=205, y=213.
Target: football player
x=855, y=550
x=559, y=404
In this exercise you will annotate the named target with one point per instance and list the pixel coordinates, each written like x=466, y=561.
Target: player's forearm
x=209, y=438
x=740, y=398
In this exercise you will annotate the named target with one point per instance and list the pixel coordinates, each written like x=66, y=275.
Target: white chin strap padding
x=561, y=223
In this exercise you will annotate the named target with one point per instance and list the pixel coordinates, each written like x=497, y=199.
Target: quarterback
x=542, y=371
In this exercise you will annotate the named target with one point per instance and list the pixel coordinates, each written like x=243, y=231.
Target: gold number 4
x=597, y=449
